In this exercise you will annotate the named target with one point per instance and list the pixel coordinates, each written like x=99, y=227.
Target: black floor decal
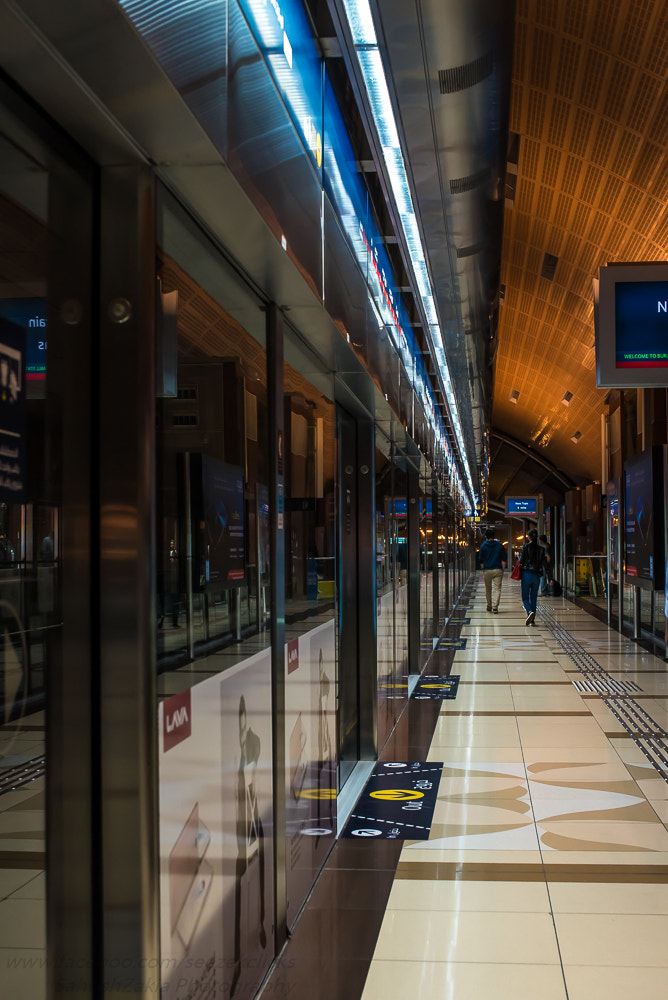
x=437, y=686
x=397, y=803
x=451, y=644
x=459, y=621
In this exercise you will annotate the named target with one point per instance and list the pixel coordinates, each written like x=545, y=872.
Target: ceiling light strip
x=363, y=32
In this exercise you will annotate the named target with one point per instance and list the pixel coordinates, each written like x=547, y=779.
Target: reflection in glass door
x=349, y=721
x=45, y=233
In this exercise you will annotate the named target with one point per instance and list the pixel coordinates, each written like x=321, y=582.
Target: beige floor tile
x=592, y=982
x=628, y=751
x=481, y=810
x=460, y=896
x=547, y=698
x=559, y=769
x=492, y=838
x=471, y=731
x=592, y=808
x=560, y=733
x=480, y=699
x=469, y=655
x=478, y=755
x=462, y=981
x=488, y=779
x=637, y=940
x=536, y=757
x=595, y=860
x=655, y=788
x=411, y=935
x=598, y=835
x=419, y=852
x=608, y=897
x=472, y=673
x=544, y=672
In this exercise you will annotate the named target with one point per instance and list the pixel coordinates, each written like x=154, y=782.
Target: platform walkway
x=545, y=875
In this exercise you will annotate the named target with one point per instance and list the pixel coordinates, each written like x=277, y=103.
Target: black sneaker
x=530, y=618
x=495, y=611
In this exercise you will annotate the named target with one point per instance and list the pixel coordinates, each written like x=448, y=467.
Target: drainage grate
x=646, y=733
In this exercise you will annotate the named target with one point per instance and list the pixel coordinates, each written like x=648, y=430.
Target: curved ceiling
x=587, y=183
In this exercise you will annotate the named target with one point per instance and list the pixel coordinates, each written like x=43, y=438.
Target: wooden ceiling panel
x=590, y=104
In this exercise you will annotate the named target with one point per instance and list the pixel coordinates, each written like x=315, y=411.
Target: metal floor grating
x=616, y=695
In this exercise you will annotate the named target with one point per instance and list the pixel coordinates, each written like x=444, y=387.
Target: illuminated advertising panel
x=643, y=513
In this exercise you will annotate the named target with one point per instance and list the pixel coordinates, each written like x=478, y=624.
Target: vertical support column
x=128, y=779
x=413, y=531
x=436, y=523
x=275, y=391
x=72, y=691
x=366, y=590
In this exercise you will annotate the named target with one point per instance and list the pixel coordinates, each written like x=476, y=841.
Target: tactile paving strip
x=616, y=695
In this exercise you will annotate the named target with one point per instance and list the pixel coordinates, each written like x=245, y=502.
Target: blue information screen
x=523, y=506
x=641, y=324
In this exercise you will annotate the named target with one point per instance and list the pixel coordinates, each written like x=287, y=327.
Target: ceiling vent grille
x=460, y=185
x=549, y=266
x=462, y=77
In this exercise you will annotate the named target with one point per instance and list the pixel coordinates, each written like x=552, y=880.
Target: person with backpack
x=493, y=560
x=532, y=564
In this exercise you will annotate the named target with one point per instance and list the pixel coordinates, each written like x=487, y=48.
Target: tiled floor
x=546, y=871
x=22, y=879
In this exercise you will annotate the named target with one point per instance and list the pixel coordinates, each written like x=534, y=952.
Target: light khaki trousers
x=493, y=578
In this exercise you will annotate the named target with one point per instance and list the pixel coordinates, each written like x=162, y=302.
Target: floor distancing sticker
x=436, y=686
x=397, y=803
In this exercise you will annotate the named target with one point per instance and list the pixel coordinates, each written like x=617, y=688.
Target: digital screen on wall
x=643, y=518
x=222, y=524
x=30, y=315
x=631, y=325
x=522, y=506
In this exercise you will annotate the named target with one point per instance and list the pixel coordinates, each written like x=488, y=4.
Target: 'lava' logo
x=177, y=719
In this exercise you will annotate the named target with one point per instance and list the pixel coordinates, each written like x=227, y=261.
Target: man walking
x=493, y=561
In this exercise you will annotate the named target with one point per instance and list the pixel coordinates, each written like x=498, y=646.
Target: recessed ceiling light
x=576, y=437
x=514, y=396
x=566, y=398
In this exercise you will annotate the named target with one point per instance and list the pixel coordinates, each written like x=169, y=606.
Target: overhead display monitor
x=522, y=506
x=631, y=325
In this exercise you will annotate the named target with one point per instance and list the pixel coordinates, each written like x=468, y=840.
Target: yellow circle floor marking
x=318, y=793
x=396, y=794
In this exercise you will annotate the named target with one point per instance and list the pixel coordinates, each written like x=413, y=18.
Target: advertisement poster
x=224, y=523
x=191, y=843
x=385, y=664
x=12, y=412
x=639, y=517
x=246, y=800
x=310, y=717
x=216, y=870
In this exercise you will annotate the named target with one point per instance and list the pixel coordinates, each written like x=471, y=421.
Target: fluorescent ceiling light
x=363, y=32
